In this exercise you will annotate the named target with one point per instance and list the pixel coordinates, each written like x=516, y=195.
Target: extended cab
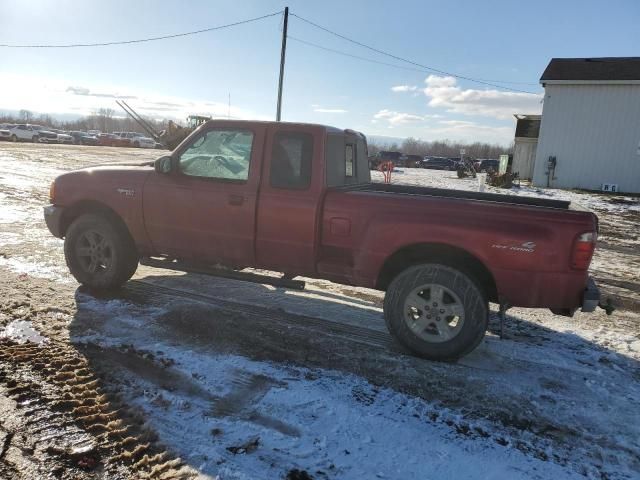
x=297, y=198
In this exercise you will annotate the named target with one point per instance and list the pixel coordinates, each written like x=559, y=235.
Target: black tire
x=118, y=246
x=136, y=144
x=14, y=139
x=470, y=296
x=34, y=139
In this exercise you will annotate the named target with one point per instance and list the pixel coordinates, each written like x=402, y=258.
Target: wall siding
x=594, y=132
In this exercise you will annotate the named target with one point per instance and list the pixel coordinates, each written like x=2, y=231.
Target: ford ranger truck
x=298, y=199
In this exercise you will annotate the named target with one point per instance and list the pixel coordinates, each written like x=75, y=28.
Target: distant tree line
x=103, y=119
x=441, y=148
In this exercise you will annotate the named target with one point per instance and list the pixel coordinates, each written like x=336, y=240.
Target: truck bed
x=463, y=194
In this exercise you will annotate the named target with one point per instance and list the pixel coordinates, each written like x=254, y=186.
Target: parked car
x=24, y=132
x=93, y=133
x=106, y=139
x=138, y=140
x=297, y=198
x=63, y=137
x=438, y=163
x=121, y=141
x=487, y=165
x=384, y=156
x=5, y=133
x=411, y=161
x=82, y=138
x=45, y=134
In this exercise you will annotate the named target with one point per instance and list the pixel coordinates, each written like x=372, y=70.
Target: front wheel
x=14, y=139
x=34, y=139
x=100, y=253
x=437, y=312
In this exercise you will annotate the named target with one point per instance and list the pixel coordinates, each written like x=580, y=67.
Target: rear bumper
x=591, y=296
x=53, y=219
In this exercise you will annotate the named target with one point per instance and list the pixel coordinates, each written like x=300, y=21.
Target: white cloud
x=396, y=118
x=57, y=96
x=404, y=88
x=330, y=110
x=443, y=92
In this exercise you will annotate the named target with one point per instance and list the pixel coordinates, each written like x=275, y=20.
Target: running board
x=223, y=273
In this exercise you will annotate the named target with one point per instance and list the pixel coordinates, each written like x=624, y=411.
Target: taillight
x=52, y=192
x=583, y=247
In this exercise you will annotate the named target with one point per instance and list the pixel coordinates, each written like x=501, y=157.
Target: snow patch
x=22, y=331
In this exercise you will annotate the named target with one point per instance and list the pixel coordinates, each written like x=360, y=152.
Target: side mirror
x=163, y=164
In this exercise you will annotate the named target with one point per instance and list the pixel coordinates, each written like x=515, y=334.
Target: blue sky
x=496, y=40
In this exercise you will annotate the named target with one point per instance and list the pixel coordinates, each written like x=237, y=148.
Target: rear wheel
x=14, y=138
x=436, y=311
x=136, y=144
x=100, y=253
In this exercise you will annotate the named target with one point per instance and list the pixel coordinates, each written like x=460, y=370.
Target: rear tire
x=437, y=312
x=14, y=139
x=99, y=252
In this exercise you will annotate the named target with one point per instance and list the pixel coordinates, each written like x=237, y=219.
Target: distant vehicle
x=411, y=161
x=119, y=140
x=45, y=134
x=438, y=163
x=487, y=165
x=384, y=156
x=138, y=140
x=25, y=132
x=5, y=132
x=63, y=137
x=106, y=139
x=93, y=133
x=82, y=138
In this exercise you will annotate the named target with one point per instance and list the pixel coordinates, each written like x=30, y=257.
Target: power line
x=142, y=40
x=426, y=67
x=371, y=60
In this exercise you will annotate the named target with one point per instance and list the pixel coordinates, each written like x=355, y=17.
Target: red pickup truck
x=297, y=198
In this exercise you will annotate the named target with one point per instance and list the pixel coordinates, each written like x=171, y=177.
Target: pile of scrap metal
x=170, y=137
x=503, y=180
x=466, y=168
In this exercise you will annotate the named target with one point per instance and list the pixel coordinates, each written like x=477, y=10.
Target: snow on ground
x=325, y=422
x=576, y=378
x=450, y=180
x=22, y=331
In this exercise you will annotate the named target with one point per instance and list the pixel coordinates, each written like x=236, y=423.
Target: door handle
x=236, y=200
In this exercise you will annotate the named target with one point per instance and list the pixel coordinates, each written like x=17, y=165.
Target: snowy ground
x=246, y=381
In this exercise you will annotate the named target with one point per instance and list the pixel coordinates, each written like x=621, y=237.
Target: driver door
x=204, y=209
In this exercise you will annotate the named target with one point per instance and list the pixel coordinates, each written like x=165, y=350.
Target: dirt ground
x=186, y=376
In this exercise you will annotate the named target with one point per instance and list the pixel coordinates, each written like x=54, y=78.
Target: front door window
x=221, y=154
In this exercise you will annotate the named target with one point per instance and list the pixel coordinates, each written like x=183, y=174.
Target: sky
x=499, y=41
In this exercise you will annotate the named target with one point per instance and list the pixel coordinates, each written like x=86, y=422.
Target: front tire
x=437, y=312
x=99, y=252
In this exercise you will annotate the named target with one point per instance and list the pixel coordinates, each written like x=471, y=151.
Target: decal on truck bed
x=527, y=247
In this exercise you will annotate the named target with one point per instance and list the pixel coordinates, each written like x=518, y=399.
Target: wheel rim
x=434, y=313
x=94, y=252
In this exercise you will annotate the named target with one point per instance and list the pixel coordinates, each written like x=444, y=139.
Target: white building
x=590, y=131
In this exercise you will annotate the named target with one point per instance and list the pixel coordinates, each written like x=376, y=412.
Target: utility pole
x=282, y=55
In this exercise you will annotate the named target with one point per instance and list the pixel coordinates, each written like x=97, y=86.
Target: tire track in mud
x=66, y=418
x=362, y=335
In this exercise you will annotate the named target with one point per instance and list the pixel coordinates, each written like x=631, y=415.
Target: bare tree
x=26, y=115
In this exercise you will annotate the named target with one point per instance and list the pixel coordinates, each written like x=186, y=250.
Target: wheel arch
x=442, y=254
x=83, y=207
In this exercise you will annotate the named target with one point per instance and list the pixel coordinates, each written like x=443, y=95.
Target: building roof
x=592, y=69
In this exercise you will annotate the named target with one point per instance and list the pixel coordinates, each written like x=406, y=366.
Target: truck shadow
x=528, y=383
